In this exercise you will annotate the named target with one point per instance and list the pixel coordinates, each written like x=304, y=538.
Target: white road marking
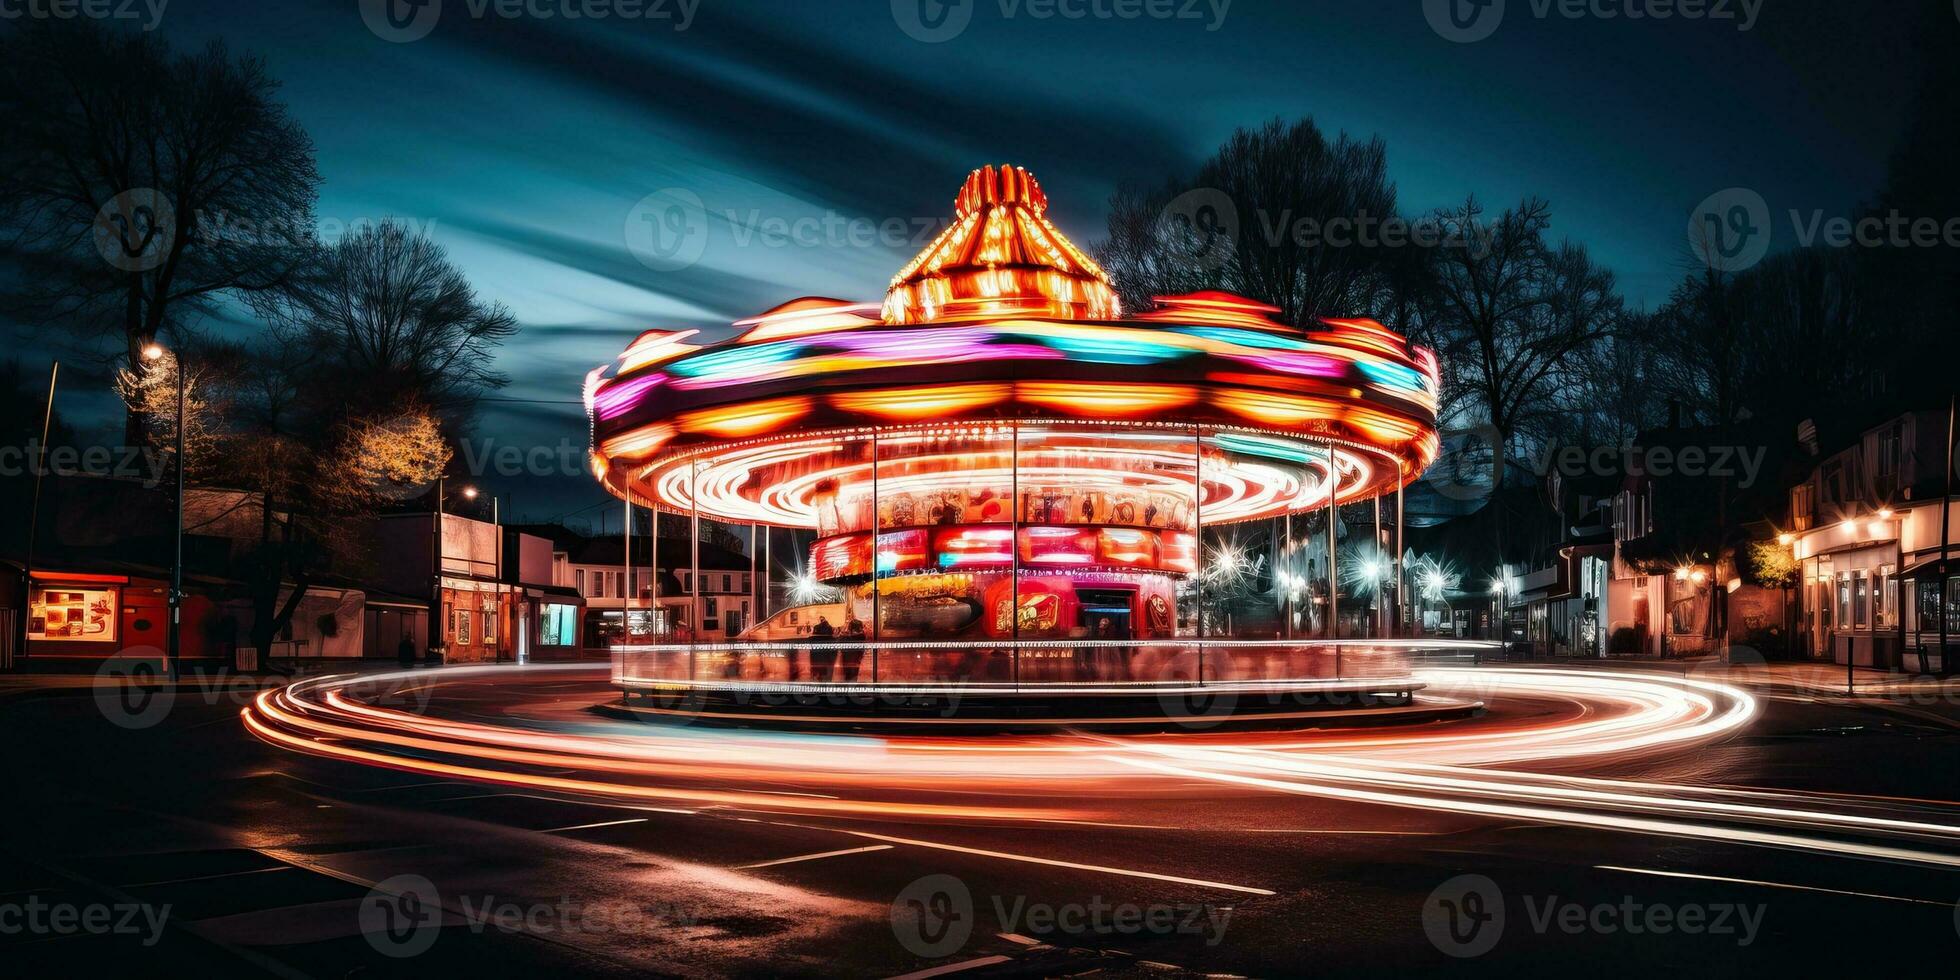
x=594, y=826
x=1767, y=884
x=940, y=971
x=1051, y=862
x=814, y=857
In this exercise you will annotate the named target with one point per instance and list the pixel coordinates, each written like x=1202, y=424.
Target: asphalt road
x=191, y=845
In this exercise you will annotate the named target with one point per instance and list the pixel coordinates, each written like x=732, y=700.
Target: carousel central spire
x=1000, y=258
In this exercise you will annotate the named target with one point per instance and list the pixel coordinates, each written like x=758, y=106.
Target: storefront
x=87, y=615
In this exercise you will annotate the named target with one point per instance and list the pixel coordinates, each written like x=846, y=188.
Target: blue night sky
x=523, y=145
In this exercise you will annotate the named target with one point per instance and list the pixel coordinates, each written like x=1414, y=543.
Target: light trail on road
x=1490, y=767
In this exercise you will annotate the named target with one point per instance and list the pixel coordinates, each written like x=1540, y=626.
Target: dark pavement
x=262, y=860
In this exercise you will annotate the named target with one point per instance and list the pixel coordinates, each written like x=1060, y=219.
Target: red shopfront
x=79, y=614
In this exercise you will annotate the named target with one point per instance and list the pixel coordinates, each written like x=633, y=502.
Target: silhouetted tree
x=138, y=185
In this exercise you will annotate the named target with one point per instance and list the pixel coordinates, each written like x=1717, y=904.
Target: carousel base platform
x=969, y=708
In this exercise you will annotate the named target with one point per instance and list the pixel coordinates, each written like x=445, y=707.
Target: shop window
x=88, y=615
x=1844, y=617
x=490, y=620
x=560, y=625
x=1861, y=608
x=462, y=628
x=1885, y=598
x=1953, y=606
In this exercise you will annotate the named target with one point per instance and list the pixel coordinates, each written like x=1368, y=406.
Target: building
x=1875, y=547
x=498, y=598
x=613, y=590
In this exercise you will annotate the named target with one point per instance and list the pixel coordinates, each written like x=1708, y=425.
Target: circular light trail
x=1512, y=768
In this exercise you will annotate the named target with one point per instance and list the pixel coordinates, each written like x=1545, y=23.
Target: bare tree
x=127, y=174
x=1513, y=318
x=385, y=305
x=1280, y=214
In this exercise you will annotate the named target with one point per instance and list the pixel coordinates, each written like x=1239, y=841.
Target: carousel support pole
x=1381, y=611
x=695, y=619
x=1014, y=523
x=625, y=566
x=1287, y=554
x=653, y=569
x=1333, y=556
x=1198, y=525
x=875, y=628
x=1401, y=612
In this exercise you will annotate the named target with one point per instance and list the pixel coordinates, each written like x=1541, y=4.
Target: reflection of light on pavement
x=1579, y=715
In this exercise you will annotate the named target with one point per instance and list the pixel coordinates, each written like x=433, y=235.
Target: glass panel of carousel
x=1105, y=538
x=944, y=555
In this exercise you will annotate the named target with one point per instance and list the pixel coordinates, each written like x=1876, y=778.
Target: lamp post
x=34, y=517
x=436, y=629
x=172, y=647
x=497, y=563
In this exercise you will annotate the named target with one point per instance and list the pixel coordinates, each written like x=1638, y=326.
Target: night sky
x=523, y=145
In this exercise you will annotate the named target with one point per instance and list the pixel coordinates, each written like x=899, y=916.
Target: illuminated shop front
x=998, y=452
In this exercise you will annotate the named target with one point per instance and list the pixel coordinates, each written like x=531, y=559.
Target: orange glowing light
x=1107, y=399
x=1000, y=258
x=915, y=404
x=751, y=419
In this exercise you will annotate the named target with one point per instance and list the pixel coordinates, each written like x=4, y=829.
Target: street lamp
x=34, y=512
x=155, y=353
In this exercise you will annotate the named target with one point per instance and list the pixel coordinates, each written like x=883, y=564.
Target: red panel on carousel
x=1180, y=552
x=967, y=547
x=902, y=551
x=841, y=557
x=1058, y=546
x=1127, y=547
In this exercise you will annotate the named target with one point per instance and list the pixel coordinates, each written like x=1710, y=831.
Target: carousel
x=1005, y=480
